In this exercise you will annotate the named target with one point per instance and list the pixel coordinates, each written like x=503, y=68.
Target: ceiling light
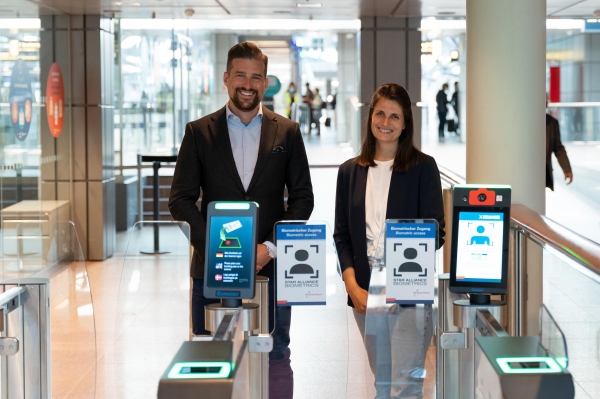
x=309, y=5
x=591, y=21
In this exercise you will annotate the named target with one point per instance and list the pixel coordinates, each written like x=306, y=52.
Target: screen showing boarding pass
x=230, y=260
x=480, y=247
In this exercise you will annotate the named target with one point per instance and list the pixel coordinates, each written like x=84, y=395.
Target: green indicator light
x=199, y=370
x=528, y=365
x=563, y=361
x=232, y=205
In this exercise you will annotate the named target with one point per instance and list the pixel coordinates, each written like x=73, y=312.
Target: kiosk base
x=480, y=299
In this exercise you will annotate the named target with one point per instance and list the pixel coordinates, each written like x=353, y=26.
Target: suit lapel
x=360, y=190
x=395, y=197
x=220, y=135
x=268, y=133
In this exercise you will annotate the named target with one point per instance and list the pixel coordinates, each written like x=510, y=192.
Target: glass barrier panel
x=578, y=123
x=397, y=330
x=153, y=306
x=552, y=339
x=56, y=316
x=571, y=294
x=319, y=341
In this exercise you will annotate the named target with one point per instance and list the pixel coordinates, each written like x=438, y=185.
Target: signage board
x=55, y=100
x=20, y=99
x=301, y=264
x=410, y=254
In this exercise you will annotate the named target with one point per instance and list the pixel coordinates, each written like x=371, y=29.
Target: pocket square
x=278, y=149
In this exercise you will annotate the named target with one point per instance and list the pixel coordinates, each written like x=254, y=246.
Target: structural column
x=222, y=43
x=390, y=52
x=506, y=52
x=84, y=172
x=346, y=117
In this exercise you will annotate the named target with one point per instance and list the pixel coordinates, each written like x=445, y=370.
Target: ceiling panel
x=277, y=9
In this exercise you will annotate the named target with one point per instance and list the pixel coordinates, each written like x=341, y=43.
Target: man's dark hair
x=407, y=155
x=246, y=50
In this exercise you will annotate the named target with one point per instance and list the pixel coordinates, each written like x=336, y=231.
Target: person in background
x=309, y=94
x=244, y=152
x=291, y=97
x=455, y=104
x=554, y=145
x=316, y=108
x=389, y=179
x=442, y=108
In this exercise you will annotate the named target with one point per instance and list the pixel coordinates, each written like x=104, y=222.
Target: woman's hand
x=357, y=294
x=359, y=298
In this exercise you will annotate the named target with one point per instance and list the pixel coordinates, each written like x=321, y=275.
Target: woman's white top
x=376, y=196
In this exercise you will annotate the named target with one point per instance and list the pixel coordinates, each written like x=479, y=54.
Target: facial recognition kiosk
x=491, y=363
x=233, y=361
x=480, y=227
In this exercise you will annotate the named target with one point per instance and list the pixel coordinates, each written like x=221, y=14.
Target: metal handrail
x=584, y=252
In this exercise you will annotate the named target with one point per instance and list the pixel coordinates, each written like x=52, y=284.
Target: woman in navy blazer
x=414, y=193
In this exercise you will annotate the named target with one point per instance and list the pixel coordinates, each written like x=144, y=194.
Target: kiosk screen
x=479, y=249
x=229, y=263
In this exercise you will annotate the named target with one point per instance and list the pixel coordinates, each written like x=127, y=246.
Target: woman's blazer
x=414, y=194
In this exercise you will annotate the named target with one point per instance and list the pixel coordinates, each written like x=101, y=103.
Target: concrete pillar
x=84, y=173
x=390, y=52
x=347, y=122
x=506, y=50
x=222, y=43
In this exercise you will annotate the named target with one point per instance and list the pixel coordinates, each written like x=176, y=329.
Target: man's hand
x=569, y=177
x=262, y=257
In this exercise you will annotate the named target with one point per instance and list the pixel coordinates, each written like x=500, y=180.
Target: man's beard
x=239, y=105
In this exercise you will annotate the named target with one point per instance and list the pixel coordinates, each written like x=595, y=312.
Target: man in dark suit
x=554, y=145
x=442, y=102
x=455, y=104
x=244, y=152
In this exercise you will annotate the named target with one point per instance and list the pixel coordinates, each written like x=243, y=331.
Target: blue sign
x=21, y=107
x=300, y=232
x=274, y=86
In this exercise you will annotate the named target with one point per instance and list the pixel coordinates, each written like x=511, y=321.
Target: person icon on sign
x=301, y=255
x=480, y=240
x=410, y=267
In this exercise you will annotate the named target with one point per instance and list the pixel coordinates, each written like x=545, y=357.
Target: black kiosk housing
x=480, y=233
x=230, y=257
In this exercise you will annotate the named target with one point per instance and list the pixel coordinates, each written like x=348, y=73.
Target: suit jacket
x=206, y=162
x=415, y=194
x=554, y=145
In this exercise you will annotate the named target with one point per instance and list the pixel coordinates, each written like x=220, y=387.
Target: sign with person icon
x=410, y=255
x=301, y=262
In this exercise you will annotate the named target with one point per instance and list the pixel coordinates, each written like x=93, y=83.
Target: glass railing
x=53, y=320
x=571, y=297
x=153, y=306
x=578, y=121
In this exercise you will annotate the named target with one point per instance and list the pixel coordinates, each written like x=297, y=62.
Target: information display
x=230, y=262
x=480, y=243
x=410, y=248
x=479, y=247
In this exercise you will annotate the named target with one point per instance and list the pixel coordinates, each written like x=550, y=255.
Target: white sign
x=410, y=261
x=301, y=264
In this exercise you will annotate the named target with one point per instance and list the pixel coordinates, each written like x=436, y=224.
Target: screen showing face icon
x=479, y=255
